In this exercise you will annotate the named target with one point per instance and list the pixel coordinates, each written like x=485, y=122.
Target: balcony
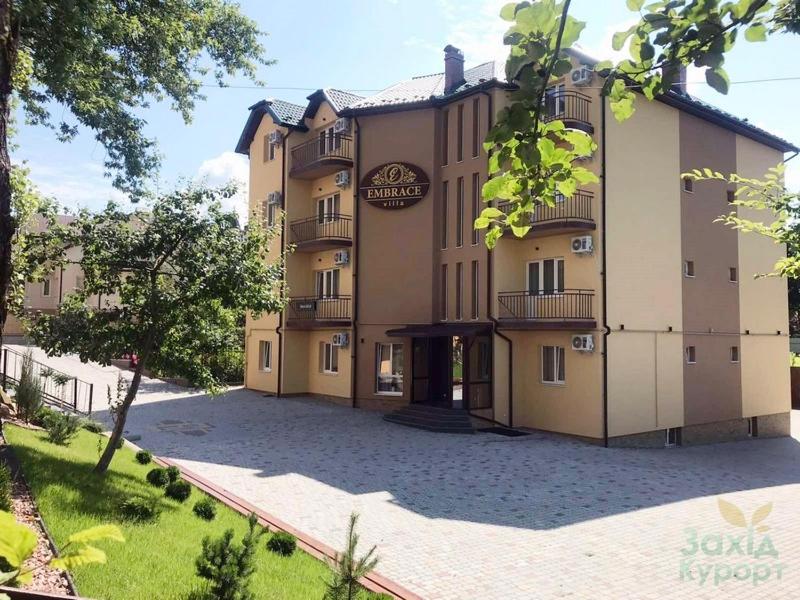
x=321, y=156
x=305, y=312
x=570, y=107
x=565, y=309
x=329, y=230
x=567, y=215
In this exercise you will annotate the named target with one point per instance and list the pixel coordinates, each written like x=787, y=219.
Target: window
x=733, y=275
x=444, y=214
x=731, y=195
x=688, y=268
x=476, y=182
x=555, y=100
x=752, y=427
x=269, y=213
x=271, y=153
x=734, y=354
x=328, y=141
x=460, y=134
x=329, y=358
x=672, y=437
x=459, y=289
x=80, y=281
x=327, y=283
x=445, y=136
x=389, y=369
x=688, y=185
x=328, y=208
x=691, y=355
x=476, y=124
x=474, y=300
x=546, y=276
x=46, y=284
x=444, y=293
x=460, y=213
x=265, y=355
x=553, y=365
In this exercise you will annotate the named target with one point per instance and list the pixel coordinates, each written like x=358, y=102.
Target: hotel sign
x=394, y=185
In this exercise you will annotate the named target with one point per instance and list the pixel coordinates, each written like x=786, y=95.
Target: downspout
x=355, y=262
x=606, y=328
x=490, y=304
x=279, y=330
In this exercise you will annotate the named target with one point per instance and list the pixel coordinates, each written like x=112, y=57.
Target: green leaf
x=17, y=542
x=618, y=39
x=491, y=212
x=756, y=33
x=93, y=534
x=83, y=555
x=568, y=187
x=508, y=11
x=503, y=186
x=718, y=79
x=635, y=5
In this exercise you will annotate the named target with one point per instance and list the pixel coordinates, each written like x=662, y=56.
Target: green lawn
x=157, y=559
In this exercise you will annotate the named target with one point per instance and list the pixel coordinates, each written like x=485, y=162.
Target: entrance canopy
x=441, y=330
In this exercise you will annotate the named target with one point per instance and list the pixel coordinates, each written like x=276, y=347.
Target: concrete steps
x=432, y=418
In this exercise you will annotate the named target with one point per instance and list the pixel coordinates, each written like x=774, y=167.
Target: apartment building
x=625, y=316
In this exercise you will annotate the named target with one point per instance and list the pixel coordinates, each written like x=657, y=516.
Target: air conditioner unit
x=274, y=198
x=341, y=257
x=582, y=76
x=343, y=178
x=275, y=137
x=583, y=343
x=582, y=244
x=341, y=340
x=341, y=125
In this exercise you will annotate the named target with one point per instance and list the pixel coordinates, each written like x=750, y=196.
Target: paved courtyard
x=488, y=517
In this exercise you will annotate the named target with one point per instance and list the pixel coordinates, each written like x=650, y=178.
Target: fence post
x=75, y=394
x=91, y=394
x=5, y=368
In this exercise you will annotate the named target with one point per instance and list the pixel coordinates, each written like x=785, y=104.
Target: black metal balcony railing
x=565, y=305
x=315, y=308
x=330, y=226
x=569, y=106
x=338, y=147
x=575, y=208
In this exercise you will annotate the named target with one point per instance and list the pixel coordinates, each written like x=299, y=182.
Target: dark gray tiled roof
x=286, y=112
x=341, y=99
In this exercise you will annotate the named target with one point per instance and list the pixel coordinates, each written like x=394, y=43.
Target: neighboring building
x=626, y=314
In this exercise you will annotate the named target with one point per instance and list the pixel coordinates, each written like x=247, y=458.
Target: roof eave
x=257, y=112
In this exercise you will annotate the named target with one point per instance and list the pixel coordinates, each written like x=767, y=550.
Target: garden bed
x=157, y=559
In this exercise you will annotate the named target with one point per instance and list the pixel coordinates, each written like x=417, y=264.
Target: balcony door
x=545, y=284
x=555, y=101
x=328, y=141
x=328, y=209
x=327, y=284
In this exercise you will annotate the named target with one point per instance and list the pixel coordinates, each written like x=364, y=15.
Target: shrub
x=41, y=416
x=174, y=473
x=282, y=543
x=348, y=569
x=158, y=477
x=61, y=427
x=205, y=509
x=143, y=457
x=92, y=426
x=29, y=390
x=5, y=488
x=138, y=510
x=227, y=566
x=179, y=490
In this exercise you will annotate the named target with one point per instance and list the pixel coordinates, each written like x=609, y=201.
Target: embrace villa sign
x=395, y=185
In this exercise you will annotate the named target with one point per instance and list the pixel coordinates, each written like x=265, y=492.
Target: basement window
x=691, y=355
x=688, y=185
x=672, y=437
x=733, y=275
x=688, y=268
x=752, y=427
x=731, y=196
x=734, y=354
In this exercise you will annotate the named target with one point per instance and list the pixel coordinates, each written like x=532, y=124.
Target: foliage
x=138, y=509
x=282, y=543
x=205, y=508
x=5, y=487
x=173, y=473
x=143, y=457
x=41, y=416
x=179, y=490
x=61, y=427
x=347, y=569
x=531, y=158
x=158, y=477
x=29, y=390
x=17, y=543
x=178, y=270
x=228, y=566
x=93, y=426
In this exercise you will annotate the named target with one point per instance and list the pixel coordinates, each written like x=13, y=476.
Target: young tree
x=103, y=61
x=348, y=569
x=174, y=272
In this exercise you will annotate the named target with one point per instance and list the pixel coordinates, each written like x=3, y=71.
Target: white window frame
x=733, y=274
x=557, y=289
x=47, y=287
x=330, y=358
x=559, y=360
x=265, y=356
x=690, y=353
x=559, y=100
x=378, y=351
x=330, y=206
x=327, y=283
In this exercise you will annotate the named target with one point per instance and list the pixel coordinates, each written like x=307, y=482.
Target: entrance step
x=432, y=418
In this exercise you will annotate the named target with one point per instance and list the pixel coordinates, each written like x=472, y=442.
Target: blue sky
x=367, y=45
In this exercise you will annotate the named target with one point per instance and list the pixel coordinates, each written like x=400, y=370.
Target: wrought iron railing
x=564, y=305
x=328, y=226
x=575, y=208
x=316, y=308
x=567, y=106
x=338, y=146
x=58, y=388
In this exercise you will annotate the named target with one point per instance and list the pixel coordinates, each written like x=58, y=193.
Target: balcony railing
x=575, y=209
x=334, y=150
x=331, y=227
x=564, y=305
x=314, y=308
x=569, y=106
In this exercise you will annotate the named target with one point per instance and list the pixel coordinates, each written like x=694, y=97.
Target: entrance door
x=432, y=376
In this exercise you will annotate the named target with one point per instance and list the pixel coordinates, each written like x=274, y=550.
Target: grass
x=157, y=558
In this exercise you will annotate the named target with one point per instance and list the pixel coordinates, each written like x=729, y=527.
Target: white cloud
x=793, y=175
x=477, y=32
x=84, y=187
x=603, y=49
x=224, y=168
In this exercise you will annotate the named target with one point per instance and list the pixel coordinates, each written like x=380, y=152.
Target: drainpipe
x=606, y=328
x=355, y=262
x=279, y=330
x=490, y=304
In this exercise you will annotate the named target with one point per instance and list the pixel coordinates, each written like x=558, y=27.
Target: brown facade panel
x=712, y=384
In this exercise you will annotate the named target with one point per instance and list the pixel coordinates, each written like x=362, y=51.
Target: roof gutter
x=355, y=262
x=603, y=277
x=279, y=330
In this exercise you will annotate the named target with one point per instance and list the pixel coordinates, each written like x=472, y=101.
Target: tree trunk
x=8, y=53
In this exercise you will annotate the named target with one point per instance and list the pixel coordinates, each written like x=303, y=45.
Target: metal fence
x=553, y=305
